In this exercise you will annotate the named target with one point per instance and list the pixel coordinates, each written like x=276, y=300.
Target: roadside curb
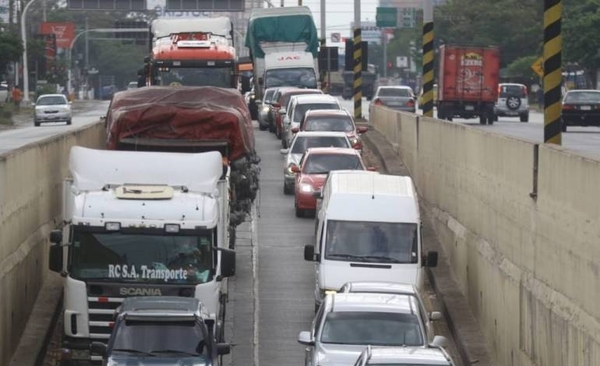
x=34, y=341
x=463, y=326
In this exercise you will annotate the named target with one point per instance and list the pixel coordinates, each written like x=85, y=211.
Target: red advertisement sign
x=64, y=32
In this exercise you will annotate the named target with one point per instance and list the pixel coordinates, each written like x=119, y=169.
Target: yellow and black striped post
x=323, y=73
x=552, y=71
x=357, y=53
x=427, y=98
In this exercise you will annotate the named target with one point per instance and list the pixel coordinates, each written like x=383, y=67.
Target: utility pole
x=384, y=42
x=87, y=45
x=552, y=71
x=24, y=40
x=44, y=10
x=357, y=55
x=427, y=59
x=299, y=2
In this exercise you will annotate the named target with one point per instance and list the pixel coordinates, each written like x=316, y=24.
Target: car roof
x=52, y=95
x=381, y=287
x=315, y=98
x=583, y=90
x=515, y=84
x=320, y=133
x=293, y=89
x=411, y=355
x=328, y=113
x=274, y=89
x=332, y=151
x=373, y=303
x=161, y=308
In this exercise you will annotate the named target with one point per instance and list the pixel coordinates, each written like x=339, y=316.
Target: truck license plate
x=586, y=108
x=469, y=108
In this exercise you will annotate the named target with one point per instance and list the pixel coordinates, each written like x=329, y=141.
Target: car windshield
x=180, y=338
x=303, y=143
x=269, y=96
x=374, y=242
x=582, y=97
x=512, y=91
x=143, y=258
x=324, y=163
x=195, y=76
x=301, y=109
x=394, y=92
x=338, y=124
x=301, y=77
x=54, y=100
x=373, y=328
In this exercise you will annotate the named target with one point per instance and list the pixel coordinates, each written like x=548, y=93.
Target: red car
x=333, y=120
x=280, y=101
x=315, y=164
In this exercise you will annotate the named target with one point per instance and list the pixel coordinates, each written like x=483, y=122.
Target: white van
x=368, y=229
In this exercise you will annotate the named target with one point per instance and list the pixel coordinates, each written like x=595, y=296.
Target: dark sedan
x=581, y=108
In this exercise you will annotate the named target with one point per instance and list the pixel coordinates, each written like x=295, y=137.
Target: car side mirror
x=223, y=349
x=362, y=129
x=295, y=169
x=283, y=151
x=227, y=262
x=98, y=348
x=55, y=259
x=439, y=341
x=295, y=130
x=56, y=237
x=305, y=339
x=432, y=259
x=435, y=315
x=309, y=253
x=318, y=194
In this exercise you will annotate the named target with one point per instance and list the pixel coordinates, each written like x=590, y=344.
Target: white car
x=52, y=108
x=347, y=323
x=132, y=85
x=302, y=142
x=298, y=106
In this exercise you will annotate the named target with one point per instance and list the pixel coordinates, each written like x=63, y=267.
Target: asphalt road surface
x=24, y=133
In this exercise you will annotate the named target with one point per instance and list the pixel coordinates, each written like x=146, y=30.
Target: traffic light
x=140, y=38
x=390, y=65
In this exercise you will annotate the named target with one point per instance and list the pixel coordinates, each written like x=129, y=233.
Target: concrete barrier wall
x=524, y=247
x=30, y=207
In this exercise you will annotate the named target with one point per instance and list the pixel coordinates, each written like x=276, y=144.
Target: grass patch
x=6, y=114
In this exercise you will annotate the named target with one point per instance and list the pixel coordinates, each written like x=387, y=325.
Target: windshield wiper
x=382, y=258
x=347, y=256
x=132, y=351
x=175, y=351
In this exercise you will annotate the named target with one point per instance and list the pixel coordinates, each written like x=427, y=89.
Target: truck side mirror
x=317, y=194
x=55, y=259
x=432, y=259
x=282, y=111
x=98, y=348
x=223, y=349
x=309, y=253
x=56, y=237
x=227, y=262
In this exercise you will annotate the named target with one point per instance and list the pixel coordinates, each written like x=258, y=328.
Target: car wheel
x=261, y=126
x=272, y=128
x=69, y=121
x=286, y=190
x=278, y=132
x=36, y=123
x=524, y=117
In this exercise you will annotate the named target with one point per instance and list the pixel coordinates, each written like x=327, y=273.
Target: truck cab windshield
x=301, y=78
x=142, y=257
x=179, y=339
x=195, y=76
x=377, y=242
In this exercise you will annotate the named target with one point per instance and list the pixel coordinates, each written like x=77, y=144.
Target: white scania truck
x=139, y=223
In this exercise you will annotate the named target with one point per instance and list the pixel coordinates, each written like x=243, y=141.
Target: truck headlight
x=306, y=188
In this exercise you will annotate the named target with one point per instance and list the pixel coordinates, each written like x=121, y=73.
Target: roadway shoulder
x=462, y=324
x=46, y=310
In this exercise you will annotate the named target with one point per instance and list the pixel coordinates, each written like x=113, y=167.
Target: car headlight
x=265, y=109
x=306, y=188
x=354, y=141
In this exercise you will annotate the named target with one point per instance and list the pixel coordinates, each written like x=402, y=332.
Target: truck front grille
x=102, y=312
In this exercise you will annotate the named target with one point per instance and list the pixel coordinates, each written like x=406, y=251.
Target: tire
x=286, y=190
x=524, y=117
x=299, y=212
x=490, y=120
x=482, y=119
x=69, y=122
x=36, y=123
x=261, y=127
x=495, y=117
x=513, y=103
x=272, y=127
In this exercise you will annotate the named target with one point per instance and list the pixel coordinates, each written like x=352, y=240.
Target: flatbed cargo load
x=190, y=119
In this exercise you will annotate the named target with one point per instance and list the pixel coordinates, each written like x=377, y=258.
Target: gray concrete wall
x=30, y=207
x=525, y=251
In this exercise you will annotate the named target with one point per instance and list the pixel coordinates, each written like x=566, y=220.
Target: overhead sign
x=387, y=17
x=538, y=67
x=64, y=32
x=205, y=5
x=336, y=37
x=401, y=62
x=127, y=5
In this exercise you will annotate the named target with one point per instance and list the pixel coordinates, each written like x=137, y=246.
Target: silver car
x=52, y=108
x=346, y=323
x=298, y=106
x=512, y=102
x=394, y=356
x=401, y=98
x=397, y=289
x=264, y=115
x=302, y=142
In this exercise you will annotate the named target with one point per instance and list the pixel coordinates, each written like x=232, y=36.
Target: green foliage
x=119, y=60
x=521, y=67
x=11, y=49
x=581, y=40
x=5, y=114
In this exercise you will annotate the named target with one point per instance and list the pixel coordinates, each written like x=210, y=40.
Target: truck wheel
x=482, y=119
x=490, y=120
x=36, y=123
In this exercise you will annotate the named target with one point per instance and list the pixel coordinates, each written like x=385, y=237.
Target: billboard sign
x=64, y=32
x=126, y=5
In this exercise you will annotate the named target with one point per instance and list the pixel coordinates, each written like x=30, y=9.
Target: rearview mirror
x=223, y=349
x=435, y=315
x=283, y=151
x=305, y=339
x=309, y=253
x=98, y=348
x=432, y=259
x=55, y=260
x=227, y=262
x=295, y=169
x=295, y=130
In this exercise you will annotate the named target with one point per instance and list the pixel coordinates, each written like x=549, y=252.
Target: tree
x=581, y=41
x=116, y=59
x=11, y=50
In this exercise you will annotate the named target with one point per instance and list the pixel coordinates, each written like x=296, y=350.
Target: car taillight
x=357, y=145
x=568, y=106
x=410, y=103
x=378, y=102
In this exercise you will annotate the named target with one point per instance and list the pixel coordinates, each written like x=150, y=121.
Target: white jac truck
x=139, y=224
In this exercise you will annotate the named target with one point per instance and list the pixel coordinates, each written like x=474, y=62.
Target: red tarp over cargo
x=183, y=112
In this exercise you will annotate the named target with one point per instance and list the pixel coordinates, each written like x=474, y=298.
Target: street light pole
x=24, y=40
